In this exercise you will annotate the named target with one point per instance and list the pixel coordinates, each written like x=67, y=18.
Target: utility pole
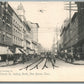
x=70, y=24
x=71, y=7
x=70, y=10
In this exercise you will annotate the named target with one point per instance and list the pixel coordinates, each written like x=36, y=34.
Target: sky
x=50, y=20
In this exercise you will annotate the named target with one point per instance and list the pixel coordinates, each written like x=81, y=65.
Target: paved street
x=59, y=64
x=30, y=29
x=62, y=72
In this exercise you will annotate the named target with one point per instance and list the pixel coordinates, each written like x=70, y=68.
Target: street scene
x=42, y=35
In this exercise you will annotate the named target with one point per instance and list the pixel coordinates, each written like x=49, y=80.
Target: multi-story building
x=74, y=31
x=73, y=34
x=26, y=29
x=27, y=39
x=80, y=6
x=17, y=26
x=69, y=34
x=5, y=24
x=21, y=12
x=5, y=29
x=21, y=30
x=40, y=48
x=15, y=32
x=64, y=32
x=34, y=29
x=31, y=31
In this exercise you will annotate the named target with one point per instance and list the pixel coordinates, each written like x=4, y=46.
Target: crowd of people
x=49, y=56
x=70, y=56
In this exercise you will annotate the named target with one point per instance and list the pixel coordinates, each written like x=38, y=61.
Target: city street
x=59, y=64
x=62, y=72
x=36, y=38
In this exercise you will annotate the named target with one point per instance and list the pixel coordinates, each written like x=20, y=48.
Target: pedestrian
x=53, y=58
x=72, y=57
x=14, y=58
x=23, y=60
x=7, y=60
x=66, y=57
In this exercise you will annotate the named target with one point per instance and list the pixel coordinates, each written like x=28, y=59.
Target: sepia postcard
x=41, y=41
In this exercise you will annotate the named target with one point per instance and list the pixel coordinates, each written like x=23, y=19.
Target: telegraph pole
x=70, y=10
x=71, y=7
x=70, y=23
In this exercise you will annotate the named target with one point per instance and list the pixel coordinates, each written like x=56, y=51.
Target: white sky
x=49, y=20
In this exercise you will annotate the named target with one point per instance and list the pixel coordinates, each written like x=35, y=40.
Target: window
x=8, y=35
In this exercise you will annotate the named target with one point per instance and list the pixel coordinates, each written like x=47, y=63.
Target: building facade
x=15, y=32
x=34, y=36
x=21, y=30
x=5, y=29
x=80, y=6
x=17, y=27
x=73, y=34
x=21, y=12
x=69, y=34
x=27, y=38
x=5, y=24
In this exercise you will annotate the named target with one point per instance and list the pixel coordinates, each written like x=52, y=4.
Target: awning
x=35, y=43
x=18, y=51
x=32, y=51
x=9, y=52
x=5, y=50
x=28, y=48
x=23, y=51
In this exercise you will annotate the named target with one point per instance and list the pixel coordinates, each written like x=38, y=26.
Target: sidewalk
x=4, y=64
x=10, y=63
x=78, y=62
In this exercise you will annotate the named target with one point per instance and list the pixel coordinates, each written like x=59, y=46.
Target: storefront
x=5, y=53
